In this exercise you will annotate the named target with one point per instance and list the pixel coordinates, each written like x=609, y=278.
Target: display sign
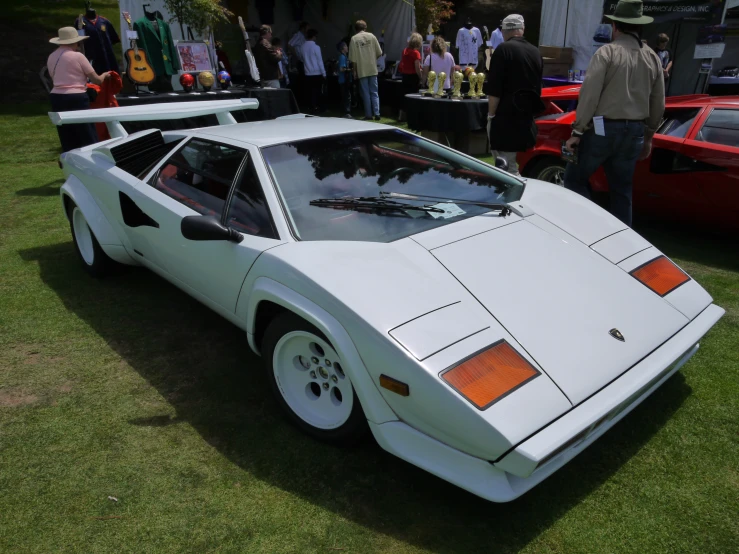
x=704, y=11
x=711, y=42
x=193, y=56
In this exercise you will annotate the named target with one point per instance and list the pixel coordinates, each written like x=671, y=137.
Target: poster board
x=194, y=56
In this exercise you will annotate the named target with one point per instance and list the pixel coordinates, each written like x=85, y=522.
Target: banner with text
x=688, y=11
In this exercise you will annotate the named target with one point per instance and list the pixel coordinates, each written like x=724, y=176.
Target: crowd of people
x=621, y=101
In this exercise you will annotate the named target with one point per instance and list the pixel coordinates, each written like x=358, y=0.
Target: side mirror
x=207, y=227
x=500, y=163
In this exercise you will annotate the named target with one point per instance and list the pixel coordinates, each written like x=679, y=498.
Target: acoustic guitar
x=139, y=69
x=251, y=62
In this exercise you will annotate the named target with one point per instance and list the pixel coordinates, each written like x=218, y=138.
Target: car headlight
x=490, y=375
x=660, y=275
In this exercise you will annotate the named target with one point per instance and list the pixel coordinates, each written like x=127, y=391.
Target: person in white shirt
x=497, y=38
x=315, y=70
x=440, y=61
x=296, y=43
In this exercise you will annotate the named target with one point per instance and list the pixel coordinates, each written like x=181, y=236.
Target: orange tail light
x=490, y=375
x=660, y=275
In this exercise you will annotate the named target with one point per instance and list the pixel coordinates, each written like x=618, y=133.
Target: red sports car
x=692, y=174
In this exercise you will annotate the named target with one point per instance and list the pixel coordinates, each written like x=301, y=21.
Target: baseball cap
x=512, y=22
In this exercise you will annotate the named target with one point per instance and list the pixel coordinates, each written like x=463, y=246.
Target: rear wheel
x=307, y=377
x=94, y=259
x=550, y=169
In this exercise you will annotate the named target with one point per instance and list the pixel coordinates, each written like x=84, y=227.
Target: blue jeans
x=368, y=90
x=618, y=153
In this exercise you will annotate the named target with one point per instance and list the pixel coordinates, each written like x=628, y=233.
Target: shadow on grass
x=712, y=248
x=49, y=189
x=202, y=365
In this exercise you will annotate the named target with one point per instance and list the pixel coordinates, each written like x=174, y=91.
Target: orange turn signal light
x=660, y=275
x=398, y=387
x=490, y=375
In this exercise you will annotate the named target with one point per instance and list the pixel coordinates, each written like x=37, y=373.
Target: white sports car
x=484, y=327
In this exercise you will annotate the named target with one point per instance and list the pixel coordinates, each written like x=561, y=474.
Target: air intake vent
x=137, y=155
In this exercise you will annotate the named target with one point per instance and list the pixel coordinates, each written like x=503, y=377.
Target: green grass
x=128, y=388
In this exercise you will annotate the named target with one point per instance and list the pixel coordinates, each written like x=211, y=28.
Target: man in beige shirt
x=621, y=105
x=364, y=49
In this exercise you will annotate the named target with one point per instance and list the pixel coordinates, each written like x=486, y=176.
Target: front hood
x=560, y=300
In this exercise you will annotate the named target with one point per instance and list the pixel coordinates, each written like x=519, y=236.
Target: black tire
x=355, y=426
x=541, y=167
x=95, y=261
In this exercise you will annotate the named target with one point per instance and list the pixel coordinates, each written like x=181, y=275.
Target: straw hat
x=67, y=35
x=630, y=11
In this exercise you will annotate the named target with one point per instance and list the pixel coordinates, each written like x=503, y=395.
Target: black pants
x=411, y=84
x=314, y=85
x=346, y=97
x=79, y=134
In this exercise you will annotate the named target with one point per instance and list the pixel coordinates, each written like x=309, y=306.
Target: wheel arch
x=268, y=299
x=74, y=191
x=536, y=161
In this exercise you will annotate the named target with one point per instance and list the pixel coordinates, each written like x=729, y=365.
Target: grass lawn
x=127, y=388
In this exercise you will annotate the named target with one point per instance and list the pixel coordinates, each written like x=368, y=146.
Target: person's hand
x=667, y=73
x=572, y=143
x=646, y=149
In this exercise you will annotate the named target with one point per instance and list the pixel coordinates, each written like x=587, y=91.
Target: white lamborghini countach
x=485, y=328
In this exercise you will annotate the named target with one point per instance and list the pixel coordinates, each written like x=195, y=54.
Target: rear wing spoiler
x=112, y=117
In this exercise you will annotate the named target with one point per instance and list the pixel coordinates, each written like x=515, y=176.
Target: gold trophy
x=480, y=82
x=458, y=78
x=442, y=80
x=473, y=81
x=432, y=80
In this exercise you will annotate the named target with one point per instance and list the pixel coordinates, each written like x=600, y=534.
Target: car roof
x=700, y=100
x=289, y=129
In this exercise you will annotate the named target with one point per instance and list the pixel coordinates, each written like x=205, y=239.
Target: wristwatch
x=577, y=134
x=490, y=116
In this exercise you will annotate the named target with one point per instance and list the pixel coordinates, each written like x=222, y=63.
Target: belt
x=623, y=120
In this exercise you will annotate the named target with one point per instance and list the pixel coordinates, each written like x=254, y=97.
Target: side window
x=721, y=127
x=677, y=123
x=248, y=212
x=199, y=175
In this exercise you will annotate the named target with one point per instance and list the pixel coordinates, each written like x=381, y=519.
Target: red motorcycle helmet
x=187, y=81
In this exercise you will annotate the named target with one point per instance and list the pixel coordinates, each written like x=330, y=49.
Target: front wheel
x=308, y=379
x=551, y=170
x=94, y=259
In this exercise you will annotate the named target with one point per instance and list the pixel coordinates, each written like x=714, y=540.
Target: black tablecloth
x=272, y=103
x=445, y=115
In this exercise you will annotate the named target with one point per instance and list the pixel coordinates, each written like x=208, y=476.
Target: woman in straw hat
x=70, y=70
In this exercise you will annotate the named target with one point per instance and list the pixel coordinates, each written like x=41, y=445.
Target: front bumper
x=545, y=452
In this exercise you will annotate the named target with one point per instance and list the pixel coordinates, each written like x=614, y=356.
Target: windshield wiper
x=504, y=209
x=371, y=204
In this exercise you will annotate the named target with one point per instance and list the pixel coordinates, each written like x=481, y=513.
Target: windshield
x=369, y=165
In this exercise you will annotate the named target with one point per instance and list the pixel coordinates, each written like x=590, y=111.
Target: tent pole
x=567, y=21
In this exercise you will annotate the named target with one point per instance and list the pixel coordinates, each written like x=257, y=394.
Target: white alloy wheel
x=312, y=382
x=83, y=236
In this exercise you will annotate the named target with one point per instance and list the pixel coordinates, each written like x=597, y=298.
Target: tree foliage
x=435, y=12
x=199, y=15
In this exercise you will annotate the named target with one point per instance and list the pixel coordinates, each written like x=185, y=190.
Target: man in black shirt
x=514, y=93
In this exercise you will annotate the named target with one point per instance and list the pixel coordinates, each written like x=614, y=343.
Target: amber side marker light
x=398, y=387
x=490, y=375
x=660, y=275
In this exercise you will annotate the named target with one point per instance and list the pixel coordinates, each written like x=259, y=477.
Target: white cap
x=512, y=22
